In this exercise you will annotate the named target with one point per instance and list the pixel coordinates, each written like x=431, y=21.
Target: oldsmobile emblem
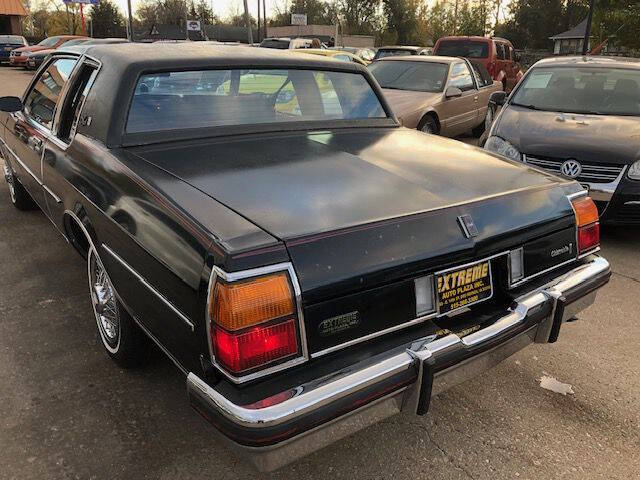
x=338, y=324
x=468, y=226
x=571, y=168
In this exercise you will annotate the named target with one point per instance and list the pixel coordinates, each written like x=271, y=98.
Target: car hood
x=405, y=102
x=589, y=138
x=294, y=185
x=31, y=48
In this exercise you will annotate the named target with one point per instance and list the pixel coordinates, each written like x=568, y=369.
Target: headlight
x=634, y=171
x=502, y=147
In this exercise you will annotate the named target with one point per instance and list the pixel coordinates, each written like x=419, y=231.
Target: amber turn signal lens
x=586, y=211
x=239, y=305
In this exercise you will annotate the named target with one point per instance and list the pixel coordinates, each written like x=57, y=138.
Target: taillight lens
x=587, y=222
x=253, y=322
x=256, y=347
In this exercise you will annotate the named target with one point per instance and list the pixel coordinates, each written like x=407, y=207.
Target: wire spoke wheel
x=104, y=303
x=8, y=175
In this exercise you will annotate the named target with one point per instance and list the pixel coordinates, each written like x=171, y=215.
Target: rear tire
x=124, y=342
x=19, y=195
x=428, y=124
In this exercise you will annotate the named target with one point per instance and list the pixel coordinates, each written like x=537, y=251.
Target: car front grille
x=591, y=172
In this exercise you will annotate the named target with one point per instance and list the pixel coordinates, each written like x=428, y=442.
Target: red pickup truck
x=496, y=54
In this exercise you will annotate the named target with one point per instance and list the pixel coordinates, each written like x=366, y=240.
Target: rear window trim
x=146, y=138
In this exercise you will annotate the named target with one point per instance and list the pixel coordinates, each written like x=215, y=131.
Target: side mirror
x=498, y=98
x=453, y=92
x=10, y=104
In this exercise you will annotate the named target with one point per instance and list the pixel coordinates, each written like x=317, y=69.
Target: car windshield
x=463, y=48
x=396, y=52
x=12, y=39
x=216, y=98
x=601, y=91
x=49, y=42
x=273, y=43
x=410, y=75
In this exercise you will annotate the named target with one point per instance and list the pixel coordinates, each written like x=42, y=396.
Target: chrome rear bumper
x=313, y=415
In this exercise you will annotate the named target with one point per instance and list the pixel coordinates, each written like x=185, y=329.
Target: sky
x=220, y=7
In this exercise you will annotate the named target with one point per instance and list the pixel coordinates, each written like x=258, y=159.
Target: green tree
x=402, y=19
x=358, y=16
x=107, y=20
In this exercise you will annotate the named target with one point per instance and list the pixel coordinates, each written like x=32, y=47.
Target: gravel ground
x=68, y=412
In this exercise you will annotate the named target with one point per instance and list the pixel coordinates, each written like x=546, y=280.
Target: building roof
x=576, y=32
x=12, y=7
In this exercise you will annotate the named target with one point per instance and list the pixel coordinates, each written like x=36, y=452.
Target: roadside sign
x=298, y=19
x=193, y=25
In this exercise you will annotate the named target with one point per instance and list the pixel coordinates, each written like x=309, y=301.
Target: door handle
x=37, y=145
x=475, y=99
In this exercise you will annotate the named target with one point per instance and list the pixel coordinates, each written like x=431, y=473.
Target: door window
x=500, y=51
x=40, y=103
x=74, y=101
x=461, y=77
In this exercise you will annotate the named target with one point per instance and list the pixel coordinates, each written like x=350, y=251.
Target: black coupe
x=310, y=266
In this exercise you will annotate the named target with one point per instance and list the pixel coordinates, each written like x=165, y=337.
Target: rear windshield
x=215, y=98
x=398, y=52
x=279, y=44
x=598, y=91
x=463, y=48
x=12, y=39
x=410, y=75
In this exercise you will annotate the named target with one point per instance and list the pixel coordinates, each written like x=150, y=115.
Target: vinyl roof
x=590, y=61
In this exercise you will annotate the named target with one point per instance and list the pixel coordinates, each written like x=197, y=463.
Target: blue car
x=8, y=43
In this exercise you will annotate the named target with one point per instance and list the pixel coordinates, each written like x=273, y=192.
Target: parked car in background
x=439, y=95
x=579, y=117
x=309, y=266
x=286, y=43
x=364, y=53
x=34, y=60
x=18, y=57
x=335, y=54
x=400, y=51
x=8, y=43
x=496, y=54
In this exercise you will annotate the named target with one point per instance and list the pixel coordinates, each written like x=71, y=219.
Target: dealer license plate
x=465, y=286
x=8, y=49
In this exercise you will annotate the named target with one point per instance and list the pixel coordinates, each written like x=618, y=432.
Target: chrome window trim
x=256, y=272
x=144, y=282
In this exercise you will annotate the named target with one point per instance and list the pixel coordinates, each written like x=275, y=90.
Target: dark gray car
x=579, y=117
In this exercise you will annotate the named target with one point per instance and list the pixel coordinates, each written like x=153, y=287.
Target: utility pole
x=264, y=17
x=248, y=23
x=587, y=30
x=259, y=23
x=129, y=22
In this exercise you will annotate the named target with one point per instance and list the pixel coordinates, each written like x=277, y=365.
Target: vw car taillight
x=253, y=322
x=588, y=224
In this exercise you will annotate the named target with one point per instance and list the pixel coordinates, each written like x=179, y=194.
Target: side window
x=74, y=101
x=40, y=103
x=461, y=77
x=500, y=51
x=509, y=53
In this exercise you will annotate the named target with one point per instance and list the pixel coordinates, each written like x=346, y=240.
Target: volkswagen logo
x=571, y=169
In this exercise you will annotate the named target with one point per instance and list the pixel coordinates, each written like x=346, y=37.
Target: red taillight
x=587, y=222
x=588, y=237
x=255, y=347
